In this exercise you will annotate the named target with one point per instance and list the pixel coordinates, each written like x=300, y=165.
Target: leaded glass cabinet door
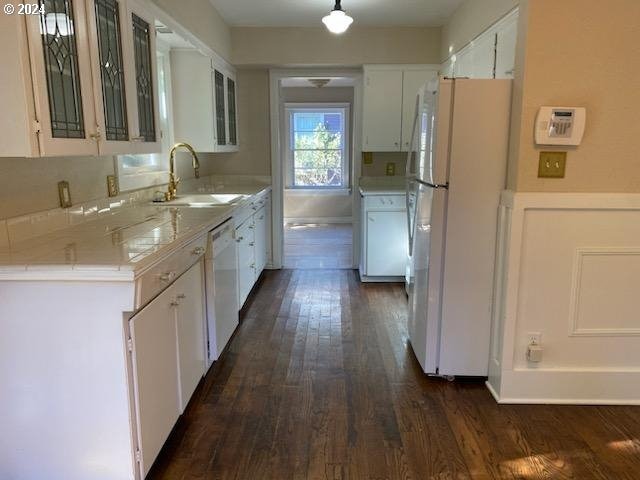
x=143, y=82
x=61, y=70
x=232, y=112
x=220, y=114
x=112, y=65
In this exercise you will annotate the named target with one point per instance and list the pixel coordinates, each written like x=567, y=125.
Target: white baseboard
x=568, y=387
x=320, y=220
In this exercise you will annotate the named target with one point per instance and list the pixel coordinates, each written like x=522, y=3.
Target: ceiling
x=308, y=13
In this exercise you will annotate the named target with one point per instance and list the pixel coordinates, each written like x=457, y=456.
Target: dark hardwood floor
x=319, y=382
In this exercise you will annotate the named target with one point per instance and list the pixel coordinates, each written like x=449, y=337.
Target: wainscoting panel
x=569, y=271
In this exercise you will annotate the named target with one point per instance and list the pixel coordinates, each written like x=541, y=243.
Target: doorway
x=315, y=157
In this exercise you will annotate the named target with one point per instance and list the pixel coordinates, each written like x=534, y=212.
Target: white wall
x=316, y=46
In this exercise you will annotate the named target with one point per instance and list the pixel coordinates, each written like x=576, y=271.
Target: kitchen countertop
x=119, y=246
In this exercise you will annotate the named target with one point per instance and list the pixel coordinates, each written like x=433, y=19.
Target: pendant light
x=337, y=21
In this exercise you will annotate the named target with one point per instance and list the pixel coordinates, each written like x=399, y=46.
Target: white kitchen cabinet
x=204, y=102
x=155, y=375
x=382, y=110
x=81, y=80
x=245, y=236
x=260, y=239
x=483, y=51
x=384, y=237
x=189, y=299
x=411, y=82
x=507, y=37
x=57, y=50
x=389, y=105
x=168, y=355
x=253, y=236
x=491, y=54
x=142, y=42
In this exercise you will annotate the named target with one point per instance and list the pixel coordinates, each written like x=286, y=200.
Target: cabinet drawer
x=385, y=202
x=161, y=275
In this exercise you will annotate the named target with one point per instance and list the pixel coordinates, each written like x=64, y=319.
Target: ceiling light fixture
x=319, y=82
x=337, y=21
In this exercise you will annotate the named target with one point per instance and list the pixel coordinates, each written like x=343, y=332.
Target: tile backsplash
x=20, y=228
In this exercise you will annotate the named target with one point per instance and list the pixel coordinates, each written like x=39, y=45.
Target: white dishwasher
x=222, y=288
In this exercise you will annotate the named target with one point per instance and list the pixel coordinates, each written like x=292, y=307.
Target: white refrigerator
x=456, y=171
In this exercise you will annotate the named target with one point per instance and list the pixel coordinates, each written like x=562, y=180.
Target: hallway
x=318, y=245
x=319, y=383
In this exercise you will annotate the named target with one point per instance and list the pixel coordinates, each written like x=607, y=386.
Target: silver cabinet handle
x=198, y=251
x=251, y=227
x=181, y=296
x=167, y=276
x=174, y=303
x=251, y=244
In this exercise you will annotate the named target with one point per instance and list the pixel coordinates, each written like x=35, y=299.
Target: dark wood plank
x=319, y=382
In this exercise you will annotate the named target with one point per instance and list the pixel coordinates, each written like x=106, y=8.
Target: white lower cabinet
x=189, y=309
x=168, y=353
x=260, y=239
x=384, y=237
x=246, y=259
x=155, y=373
x=253, y=235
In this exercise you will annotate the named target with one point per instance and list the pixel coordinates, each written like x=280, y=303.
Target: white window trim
x=344, y=107
x=145, y=176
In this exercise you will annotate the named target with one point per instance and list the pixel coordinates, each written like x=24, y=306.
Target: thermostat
x=560, y=125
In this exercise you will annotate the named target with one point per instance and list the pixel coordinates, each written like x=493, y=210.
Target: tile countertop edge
x=117, y=273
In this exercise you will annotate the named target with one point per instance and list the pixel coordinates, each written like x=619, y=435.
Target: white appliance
x=455, y=174
x=222, y=288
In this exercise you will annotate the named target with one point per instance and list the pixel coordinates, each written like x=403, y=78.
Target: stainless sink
x=205, y=200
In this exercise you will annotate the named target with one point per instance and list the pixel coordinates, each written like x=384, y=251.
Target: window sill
x=318, y=191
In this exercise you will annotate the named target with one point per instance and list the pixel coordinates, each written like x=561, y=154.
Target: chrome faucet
x=173, y=181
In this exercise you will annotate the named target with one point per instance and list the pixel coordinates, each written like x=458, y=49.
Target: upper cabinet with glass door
x=81, y=80
x=224, y=94
x=204, y=101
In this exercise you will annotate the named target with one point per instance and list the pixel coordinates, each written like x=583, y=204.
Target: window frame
x=325, y=107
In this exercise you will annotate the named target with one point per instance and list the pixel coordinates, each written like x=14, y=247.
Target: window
x=318, y=146
x=140, y=171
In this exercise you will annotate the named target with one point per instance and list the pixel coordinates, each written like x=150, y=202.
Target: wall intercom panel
x=560, y=125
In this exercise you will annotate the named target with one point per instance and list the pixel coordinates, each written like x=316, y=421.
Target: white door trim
x=277, y=205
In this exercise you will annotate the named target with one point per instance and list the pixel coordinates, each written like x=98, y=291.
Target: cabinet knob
x=174, y=303
x=251, y=244
x=239, y=239
x=198, y=251
x=181, y=296
x=95, y=136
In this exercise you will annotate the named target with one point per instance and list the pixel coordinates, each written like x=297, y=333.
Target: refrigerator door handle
x=434, y=185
